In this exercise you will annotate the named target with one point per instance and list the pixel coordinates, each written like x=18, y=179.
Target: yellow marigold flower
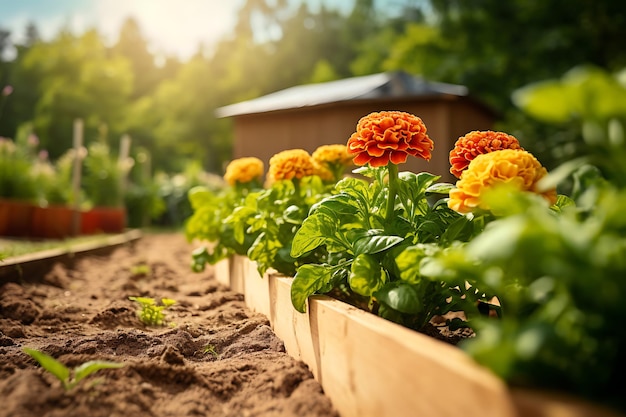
x=332, y=154
x=244, y=170
x=477, y=143
x=389, y=136
x=290, y=164
x=509, y=166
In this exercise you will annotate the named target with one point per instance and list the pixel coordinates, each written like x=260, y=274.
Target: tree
x=496, y=46
x=132, y=45
x=75, y=79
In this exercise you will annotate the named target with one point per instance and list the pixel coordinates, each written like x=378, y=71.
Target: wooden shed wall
x=264, y=134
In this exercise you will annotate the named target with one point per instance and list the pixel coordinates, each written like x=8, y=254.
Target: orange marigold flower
x=477, y=143
x=389, y=136
x=244, y=170
x=509, y=166
x=332, y=155
x=290, y=164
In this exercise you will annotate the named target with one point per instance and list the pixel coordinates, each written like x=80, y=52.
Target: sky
x=172, y=27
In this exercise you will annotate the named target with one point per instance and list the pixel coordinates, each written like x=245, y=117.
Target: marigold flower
x=332, y=154
x=244, y=170
x=477, y=143
x=289, y=164
x=331, y=161
x=389, y=136
x=509, y=166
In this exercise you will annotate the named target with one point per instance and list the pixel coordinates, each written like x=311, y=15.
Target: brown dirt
x=214, y=357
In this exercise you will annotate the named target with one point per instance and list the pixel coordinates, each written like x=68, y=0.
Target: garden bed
x=212, y=357
x=369, y=366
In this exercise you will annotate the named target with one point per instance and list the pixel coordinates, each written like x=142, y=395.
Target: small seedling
x=152, y=314
x=69, y=378
x=140, y=270
x=210, y=349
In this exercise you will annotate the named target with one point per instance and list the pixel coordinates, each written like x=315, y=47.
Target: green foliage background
x=493, y=47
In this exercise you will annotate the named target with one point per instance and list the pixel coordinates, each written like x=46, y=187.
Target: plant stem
x=296, y=187
x=393, y=185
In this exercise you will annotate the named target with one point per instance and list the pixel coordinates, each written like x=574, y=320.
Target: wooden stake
x=122, y=161
x=77, y=173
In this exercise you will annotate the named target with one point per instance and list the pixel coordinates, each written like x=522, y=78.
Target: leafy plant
x=104, y=175
x=260, y=223
x=212, y=207
x=16, y=159
x=151, y=313
x=70, y=378
x=271, y=217
x=370, y=251
x=559, y=278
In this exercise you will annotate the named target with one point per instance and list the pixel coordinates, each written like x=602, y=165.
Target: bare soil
x=213, y=357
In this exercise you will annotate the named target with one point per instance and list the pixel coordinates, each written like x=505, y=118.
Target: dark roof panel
x=383, y=85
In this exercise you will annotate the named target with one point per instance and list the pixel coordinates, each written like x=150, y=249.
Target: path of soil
x=214, y=357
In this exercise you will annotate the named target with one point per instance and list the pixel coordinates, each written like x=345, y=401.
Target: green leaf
x=563, y=201
x=143, y=300
x=440, y=188
x=90, y=367
x=336, y=205
x=199, y=196
x=51, y=365
x=430, y=227
x=375, y=244
x=294, y=214
x=167, y=302
x=238, y=219
x=400, y=296
x=311, y=234
x=558, y=175
x=309, y=279
x=545, y=101
x=455, y=229
x=408, y=261
x=366, y=275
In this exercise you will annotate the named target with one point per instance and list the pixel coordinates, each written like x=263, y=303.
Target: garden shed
x=307, y=116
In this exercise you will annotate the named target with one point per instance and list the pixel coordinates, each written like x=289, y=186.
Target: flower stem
x=393, y=185
x=296, y=187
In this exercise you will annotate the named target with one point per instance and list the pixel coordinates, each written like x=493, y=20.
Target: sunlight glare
x=171, y=26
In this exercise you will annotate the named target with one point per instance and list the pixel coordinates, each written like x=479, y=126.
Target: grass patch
x=16, y=247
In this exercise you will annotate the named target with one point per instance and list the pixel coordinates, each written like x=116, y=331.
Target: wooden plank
x=32, y=267
x=292, y=327
x=221, y=271
x=369, y=366
x=256, y=288
x=238, y=273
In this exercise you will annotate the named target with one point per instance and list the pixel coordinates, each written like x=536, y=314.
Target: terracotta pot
x=15, y=217
x=53, y=222
x=103, y=220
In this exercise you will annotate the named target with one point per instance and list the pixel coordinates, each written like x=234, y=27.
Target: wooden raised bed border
x=369, y=366
x=32, y=267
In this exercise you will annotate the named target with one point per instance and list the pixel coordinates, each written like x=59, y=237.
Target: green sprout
x=140, y=270
x=210, y=349
x=69, y=378
x=152, y=314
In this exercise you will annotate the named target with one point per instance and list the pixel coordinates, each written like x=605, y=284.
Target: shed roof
x=382, y=85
